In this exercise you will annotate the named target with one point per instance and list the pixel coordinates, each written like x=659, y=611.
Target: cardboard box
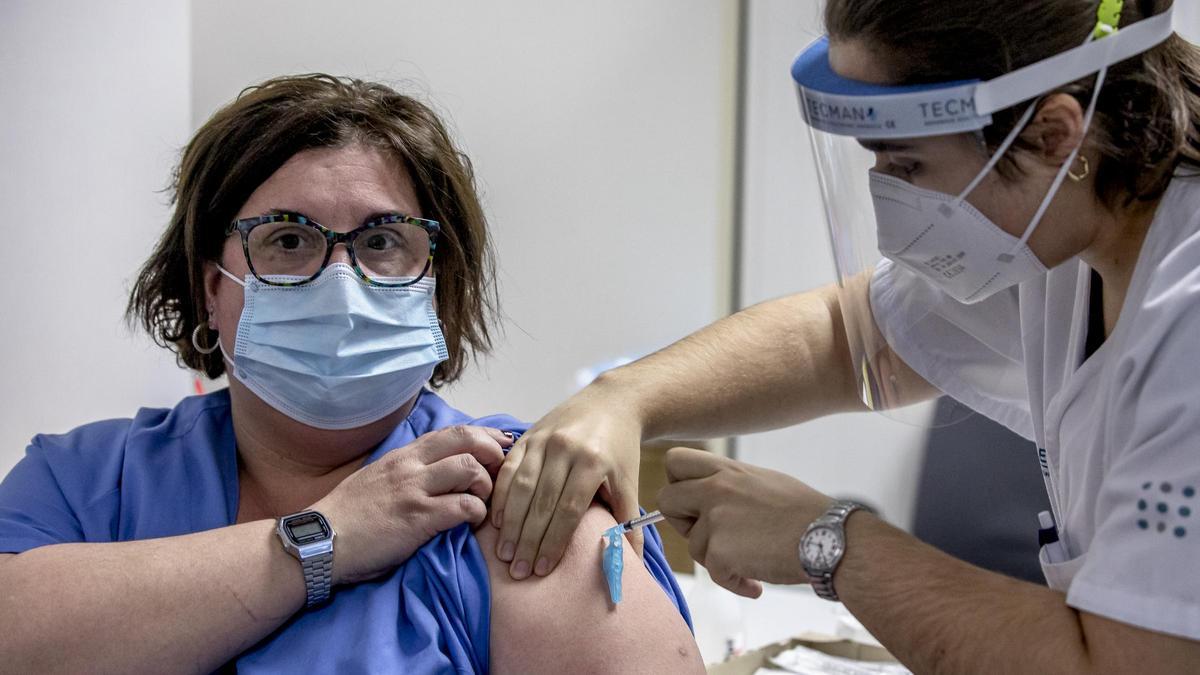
x=748, y=663
x=653, y=478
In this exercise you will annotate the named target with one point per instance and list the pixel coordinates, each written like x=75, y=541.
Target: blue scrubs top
x=173, y=472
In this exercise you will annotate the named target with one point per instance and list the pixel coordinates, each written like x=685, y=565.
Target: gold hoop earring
x=196, y=342
x=1086, y=170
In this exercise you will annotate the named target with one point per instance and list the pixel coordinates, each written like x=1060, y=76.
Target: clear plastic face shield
x=942, y=257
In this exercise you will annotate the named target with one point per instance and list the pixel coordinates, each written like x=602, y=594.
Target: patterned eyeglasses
x=289, y=249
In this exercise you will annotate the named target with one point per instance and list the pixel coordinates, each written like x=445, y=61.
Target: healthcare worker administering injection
x=1033, y=251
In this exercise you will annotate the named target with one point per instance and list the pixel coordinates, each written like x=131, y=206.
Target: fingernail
x=507, y=550
x=543, y=567
x=521, y=569
x=508, y=434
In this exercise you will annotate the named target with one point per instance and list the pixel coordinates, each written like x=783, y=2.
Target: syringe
x=611, y=560
x=641, y=521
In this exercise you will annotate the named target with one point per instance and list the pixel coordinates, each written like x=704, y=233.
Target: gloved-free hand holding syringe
x=613, y=545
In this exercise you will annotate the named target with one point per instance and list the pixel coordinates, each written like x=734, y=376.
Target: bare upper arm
x=899, y=384
x=565, y=623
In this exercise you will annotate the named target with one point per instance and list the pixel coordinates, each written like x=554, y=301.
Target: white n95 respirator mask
x=948, y=241
x=336, y=353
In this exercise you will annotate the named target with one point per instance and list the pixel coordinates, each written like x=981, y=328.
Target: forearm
x=774, y=364
x=176, y=604
x=938, y=614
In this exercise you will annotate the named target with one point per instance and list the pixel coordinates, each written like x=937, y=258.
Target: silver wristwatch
x=824, y=544
x=309, y=538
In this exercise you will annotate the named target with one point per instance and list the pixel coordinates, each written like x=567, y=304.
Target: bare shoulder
x=565, y=623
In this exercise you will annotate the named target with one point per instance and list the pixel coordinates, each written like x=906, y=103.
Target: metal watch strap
x=836, y=514
x=823, y=586
x=841, y=510
x=318, y=577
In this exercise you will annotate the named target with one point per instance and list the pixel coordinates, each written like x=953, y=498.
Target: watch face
x=822, y=547
x=306, y=528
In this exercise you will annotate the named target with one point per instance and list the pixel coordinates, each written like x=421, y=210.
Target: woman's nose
x=339, y=254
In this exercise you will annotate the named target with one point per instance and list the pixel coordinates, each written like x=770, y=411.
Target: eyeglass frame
x=245, y=225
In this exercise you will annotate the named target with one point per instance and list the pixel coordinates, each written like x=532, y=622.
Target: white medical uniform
x=1121, y=430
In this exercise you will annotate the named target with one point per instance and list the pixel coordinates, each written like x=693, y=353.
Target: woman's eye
x=381, y=241
x=288, y=239
x=907, y=169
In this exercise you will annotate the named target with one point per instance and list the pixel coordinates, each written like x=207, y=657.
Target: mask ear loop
x=232, y=278
x=224, y=354
x=1062, y=172
x=1004, y=146
x=196, y=333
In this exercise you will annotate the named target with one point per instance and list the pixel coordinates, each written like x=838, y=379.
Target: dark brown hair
x=1147, y=119
x=247, y=140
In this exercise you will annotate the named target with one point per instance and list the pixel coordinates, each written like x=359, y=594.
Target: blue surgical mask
x=336, y=353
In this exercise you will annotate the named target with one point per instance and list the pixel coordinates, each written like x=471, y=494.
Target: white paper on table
x=805, y=661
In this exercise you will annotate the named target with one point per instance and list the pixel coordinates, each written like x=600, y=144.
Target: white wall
x=786, y=250
x=601, y=133
x=93, y=105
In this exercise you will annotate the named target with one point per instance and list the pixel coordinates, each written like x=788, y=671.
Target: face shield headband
x=845, y=107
